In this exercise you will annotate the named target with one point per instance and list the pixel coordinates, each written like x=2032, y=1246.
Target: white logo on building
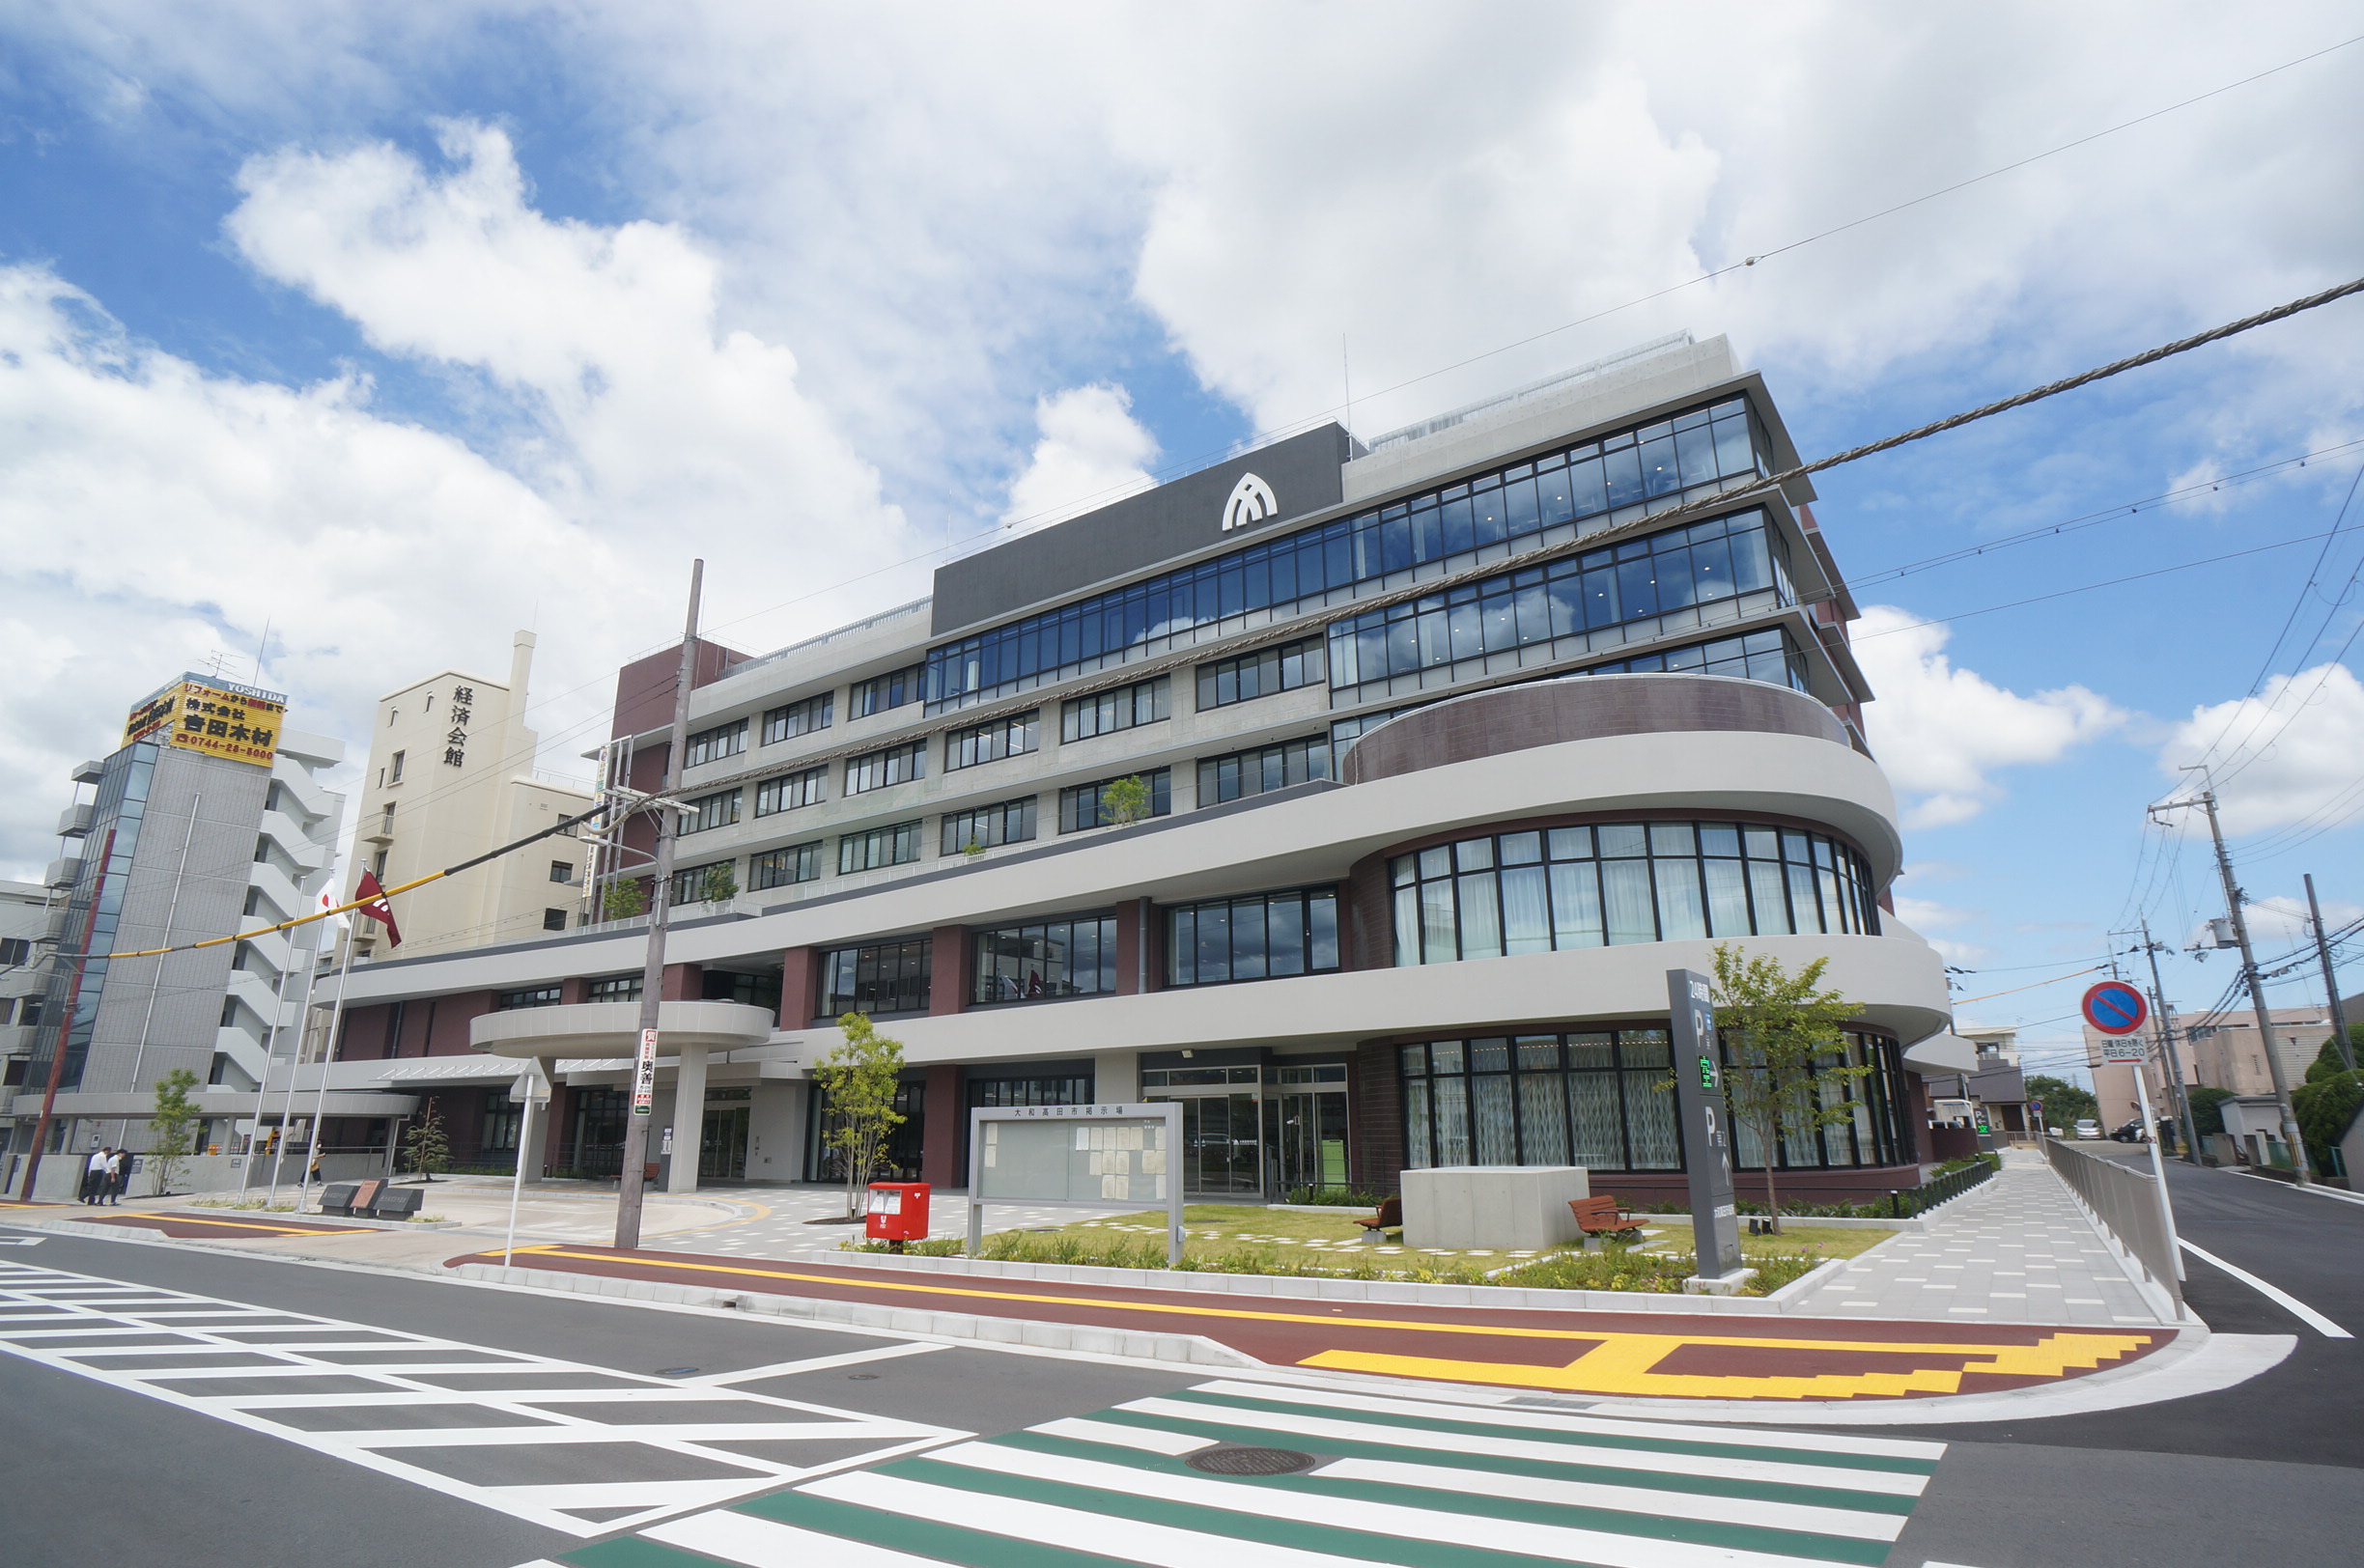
x=1252, y=501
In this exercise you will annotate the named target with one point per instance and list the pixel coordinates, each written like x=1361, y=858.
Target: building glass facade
x=876, y=977
x=1071, y=957
x=1261, y=936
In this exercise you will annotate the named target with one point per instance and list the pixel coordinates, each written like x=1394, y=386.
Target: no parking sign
x=2116, y=1009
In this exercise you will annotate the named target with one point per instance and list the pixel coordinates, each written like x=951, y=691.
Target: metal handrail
x=2126, y=1203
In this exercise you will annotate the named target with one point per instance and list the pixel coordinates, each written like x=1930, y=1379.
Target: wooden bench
x=1601, y=1217
x=1390, y=1217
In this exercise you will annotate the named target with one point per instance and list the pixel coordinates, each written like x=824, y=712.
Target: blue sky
x=396, y=332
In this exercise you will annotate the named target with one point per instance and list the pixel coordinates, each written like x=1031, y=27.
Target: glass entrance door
x=1309, y=1138
x=723, y=1144
x=1220, y=1145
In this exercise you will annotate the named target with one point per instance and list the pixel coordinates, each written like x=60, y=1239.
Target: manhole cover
x=861, y=1377
x=1249, y=1461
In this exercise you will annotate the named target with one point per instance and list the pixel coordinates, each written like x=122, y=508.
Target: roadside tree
x=1786, y=1042
x=858, y=1077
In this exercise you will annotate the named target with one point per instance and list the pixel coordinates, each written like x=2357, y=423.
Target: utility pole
x=2322, y=950
x=652, y=969
x=2163, y=1020
x=2257, y=987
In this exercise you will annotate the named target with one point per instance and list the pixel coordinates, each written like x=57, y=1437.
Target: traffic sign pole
x=2116, y=1009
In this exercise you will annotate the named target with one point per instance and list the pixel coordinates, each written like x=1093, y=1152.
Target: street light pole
x=2322, y=951
x=2257, y=989
x=652, y=969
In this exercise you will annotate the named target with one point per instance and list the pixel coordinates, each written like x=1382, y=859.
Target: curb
x=1400, y=1292
x=1188, y=1349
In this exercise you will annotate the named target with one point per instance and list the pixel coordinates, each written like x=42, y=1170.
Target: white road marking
x=814, y=1364
x=2274, y=1293
x=50, y=1317
x=745, y=1538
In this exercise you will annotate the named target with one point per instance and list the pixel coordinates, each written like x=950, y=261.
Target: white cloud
x=1932, y=920
x=1942, y=732
x=2284, y=756
x=1092, y=451
x=2280, y=921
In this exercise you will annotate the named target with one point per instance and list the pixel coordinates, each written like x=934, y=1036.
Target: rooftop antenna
x=219, y=663
x=260, y=648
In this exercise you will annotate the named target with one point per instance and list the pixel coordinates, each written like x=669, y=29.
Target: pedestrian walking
x=119, y=1179
x=95, y=1174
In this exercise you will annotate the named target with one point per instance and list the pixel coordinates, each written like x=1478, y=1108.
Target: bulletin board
x=1076, y=1156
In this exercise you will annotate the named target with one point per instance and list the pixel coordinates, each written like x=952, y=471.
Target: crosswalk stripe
x=1148, y=1439
x=1632, y=1500
x=936, y=1540
x=1135, y=1540
x=1429, y=1417
x=1298, y=1506
x=763, y=1543
x=1777, y=1472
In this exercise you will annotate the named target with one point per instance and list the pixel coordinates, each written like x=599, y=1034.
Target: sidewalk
x=2017, y=1250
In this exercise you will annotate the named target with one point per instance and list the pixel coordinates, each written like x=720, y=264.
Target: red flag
x=378, y=908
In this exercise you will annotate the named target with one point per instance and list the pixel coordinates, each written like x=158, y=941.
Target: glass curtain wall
x=1610, y=883
x=1075, y=957
x=883, y=977
x=1549, y=500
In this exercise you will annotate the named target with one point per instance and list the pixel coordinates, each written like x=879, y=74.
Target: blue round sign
x=2113, y=1007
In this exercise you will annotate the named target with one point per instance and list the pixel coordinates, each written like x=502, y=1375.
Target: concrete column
x=1116, y=1077
x=689, y=1119
x=947, y=970
x=939, y=1133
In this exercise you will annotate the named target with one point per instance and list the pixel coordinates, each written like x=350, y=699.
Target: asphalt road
x=2266, y=1469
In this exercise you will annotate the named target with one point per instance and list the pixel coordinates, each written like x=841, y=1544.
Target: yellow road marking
x=254, y=1224
x=1881, y=1346
x=1625, y=1364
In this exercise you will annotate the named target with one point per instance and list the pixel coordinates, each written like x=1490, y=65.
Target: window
x=1610, y=883
x=1760, y=655
x=709, y=812
x=781, y=868
x=883, y=977
x=1145, y=702
x=1055, y=1090
x=699, y=885
x=29, y=1012
x=14, y=950
x=1721, y=569
x=561, y=872
x=798, y=718
x=394, y=767
x=553, y=919
x=499, y=1128
x=1074, y=957
x=1595, y=1098
x=895, y=846
x=787, y=793
x=1012, y=822
x=884, y=691
x=616, y=988
x=1085, y=805
x=1261, y=937
x=993, y=741
x=876, y=770
x=1260, y=674
x=715, y=745
x=1275, y=767
x=510, y=1001
x=1526, y=506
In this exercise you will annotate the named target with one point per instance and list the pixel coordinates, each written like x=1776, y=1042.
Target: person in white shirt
x=119, y=1177
x=96, y=1174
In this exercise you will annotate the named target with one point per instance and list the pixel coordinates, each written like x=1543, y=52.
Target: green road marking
x=633, y=1552
x=921, y=1537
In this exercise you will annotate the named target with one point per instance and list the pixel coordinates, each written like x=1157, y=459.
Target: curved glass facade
x=1561, y=495
x=1604, y=884
x=1604, y=1099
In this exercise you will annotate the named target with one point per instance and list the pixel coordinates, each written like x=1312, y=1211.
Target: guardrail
x=2128, y=1204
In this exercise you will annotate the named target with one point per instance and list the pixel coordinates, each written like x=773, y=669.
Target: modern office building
x=450, y=776
x=24, y=974
x=1358, y=796
x=208, y=816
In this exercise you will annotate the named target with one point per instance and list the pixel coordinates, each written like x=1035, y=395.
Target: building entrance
x=723, y=1144
x=1256, y=1132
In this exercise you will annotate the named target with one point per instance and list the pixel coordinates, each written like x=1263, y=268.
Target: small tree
x=974, y=848
x=428, y=1142
x=858, y=1077
x=720, y=884
x=173, y=1123
x=1125, y=801
x=2064, y=1104
x=1786, y=1040
x=623, y=900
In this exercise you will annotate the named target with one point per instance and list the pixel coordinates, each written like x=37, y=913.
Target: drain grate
x=1251, y=1461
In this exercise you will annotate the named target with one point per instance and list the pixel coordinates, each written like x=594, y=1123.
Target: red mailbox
x=898, y=1213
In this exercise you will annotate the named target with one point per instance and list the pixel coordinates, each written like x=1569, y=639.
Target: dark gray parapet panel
x=1582, y=708
x=1140, y=531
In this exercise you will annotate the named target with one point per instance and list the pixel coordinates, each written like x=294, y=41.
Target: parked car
x=2131, y=1133
x=2089, y=1128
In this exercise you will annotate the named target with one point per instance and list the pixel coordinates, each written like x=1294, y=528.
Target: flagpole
x=329, y=1050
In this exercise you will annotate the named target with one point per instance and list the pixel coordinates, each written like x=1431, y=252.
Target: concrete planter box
x=1508, y=1208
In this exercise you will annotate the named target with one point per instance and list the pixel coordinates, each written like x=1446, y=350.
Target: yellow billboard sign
x=212, y=716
